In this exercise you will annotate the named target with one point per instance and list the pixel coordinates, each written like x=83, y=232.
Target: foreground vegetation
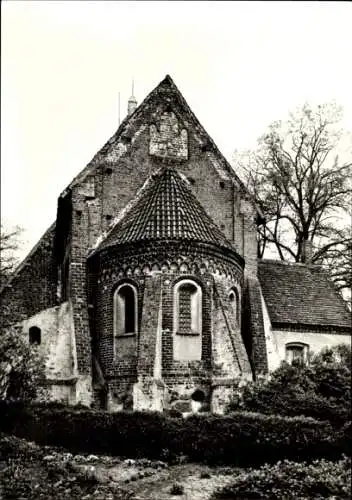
x=289, y=480
x=29, y=471
x=269, y=428
x=240, y=439
x=321, y=389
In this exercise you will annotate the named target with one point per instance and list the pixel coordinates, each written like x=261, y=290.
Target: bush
x=288, y=480
x=321, y=390
x=21, y=367
x=263, y=399
x=237, y=439
x=205, y=475
x=177, y=489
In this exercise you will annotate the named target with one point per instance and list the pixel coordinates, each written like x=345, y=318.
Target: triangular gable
x=116, y=145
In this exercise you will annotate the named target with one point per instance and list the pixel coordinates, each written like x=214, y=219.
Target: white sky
x=240, y=66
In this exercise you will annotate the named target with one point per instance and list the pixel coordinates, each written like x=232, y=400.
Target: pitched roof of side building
x=301, y=295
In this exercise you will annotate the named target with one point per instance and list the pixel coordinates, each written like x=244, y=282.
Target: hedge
x=239, y=439
x=309, y=405
x=291, y=481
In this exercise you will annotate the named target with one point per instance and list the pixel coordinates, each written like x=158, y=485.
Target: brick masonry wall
x=253, y=330
x=110, y=182
x=229, y=353
x=170, y=367
x=162, y=130
x=155, y=270
x=149, y=325
x=33, y=288
x=117, y=175
x=115, y=358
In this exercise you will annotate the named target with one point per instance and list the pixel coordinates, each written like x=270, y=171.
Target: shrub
x=250, y=438
x=177, y=489
x=321, y=390
x=265, y=400
x=173, y=413
x=288, y=480
x=241, y=438
x=21, y=367
x=332, y=374
x=205, y=475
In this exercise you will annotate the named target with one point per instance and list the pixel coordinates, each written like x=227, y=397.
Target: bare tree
x=336, y=257
x=9, y=245
x=304, y=190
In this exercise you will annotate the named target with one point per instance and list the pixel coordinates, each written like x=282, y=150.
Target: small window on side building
x=297, y=353
x=35, y=335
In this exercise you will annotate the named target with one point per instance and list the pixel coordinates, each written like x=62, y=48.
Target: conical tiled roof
x=166, y=210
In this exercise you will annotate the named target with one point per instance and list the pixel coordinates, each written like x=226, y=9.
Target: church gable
x=162, y=130
x=180, y=213
x=169, y=130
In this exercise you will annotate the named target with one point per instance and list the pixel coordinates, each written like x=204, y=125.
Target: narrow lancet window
x=187, y=321
x=125, y=310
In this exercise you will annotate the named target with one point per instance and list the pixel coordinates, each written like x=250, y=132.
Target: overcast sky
x=239, y=65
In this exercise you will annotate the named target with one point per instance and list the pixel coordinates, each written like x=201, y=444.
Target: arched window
x=188, y=308
x=125, y=310
x=235, y=305
x=187, y=320
x=297, y=352
x=35, y=335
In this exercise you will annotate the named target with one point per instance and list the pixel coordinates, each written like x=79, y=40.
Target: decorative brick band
x=175, y=256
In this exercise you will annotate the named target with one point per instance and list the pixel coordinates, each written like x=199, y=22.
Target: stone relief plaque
x=167, y=138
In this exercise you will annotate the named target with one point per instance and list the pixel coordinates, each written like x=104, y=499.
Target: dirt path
x=158, y=487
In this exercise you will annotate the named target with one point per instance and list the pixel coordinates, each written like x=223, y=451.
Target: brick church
x=146, y=292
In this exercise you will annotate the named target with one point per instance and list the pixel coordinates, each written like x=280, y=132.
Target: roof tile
x=166, y=210
x=300, y=294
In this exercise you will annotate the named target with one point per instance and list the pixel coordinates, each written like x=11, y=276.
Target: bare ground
x=159, y=484
x=31, y=472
